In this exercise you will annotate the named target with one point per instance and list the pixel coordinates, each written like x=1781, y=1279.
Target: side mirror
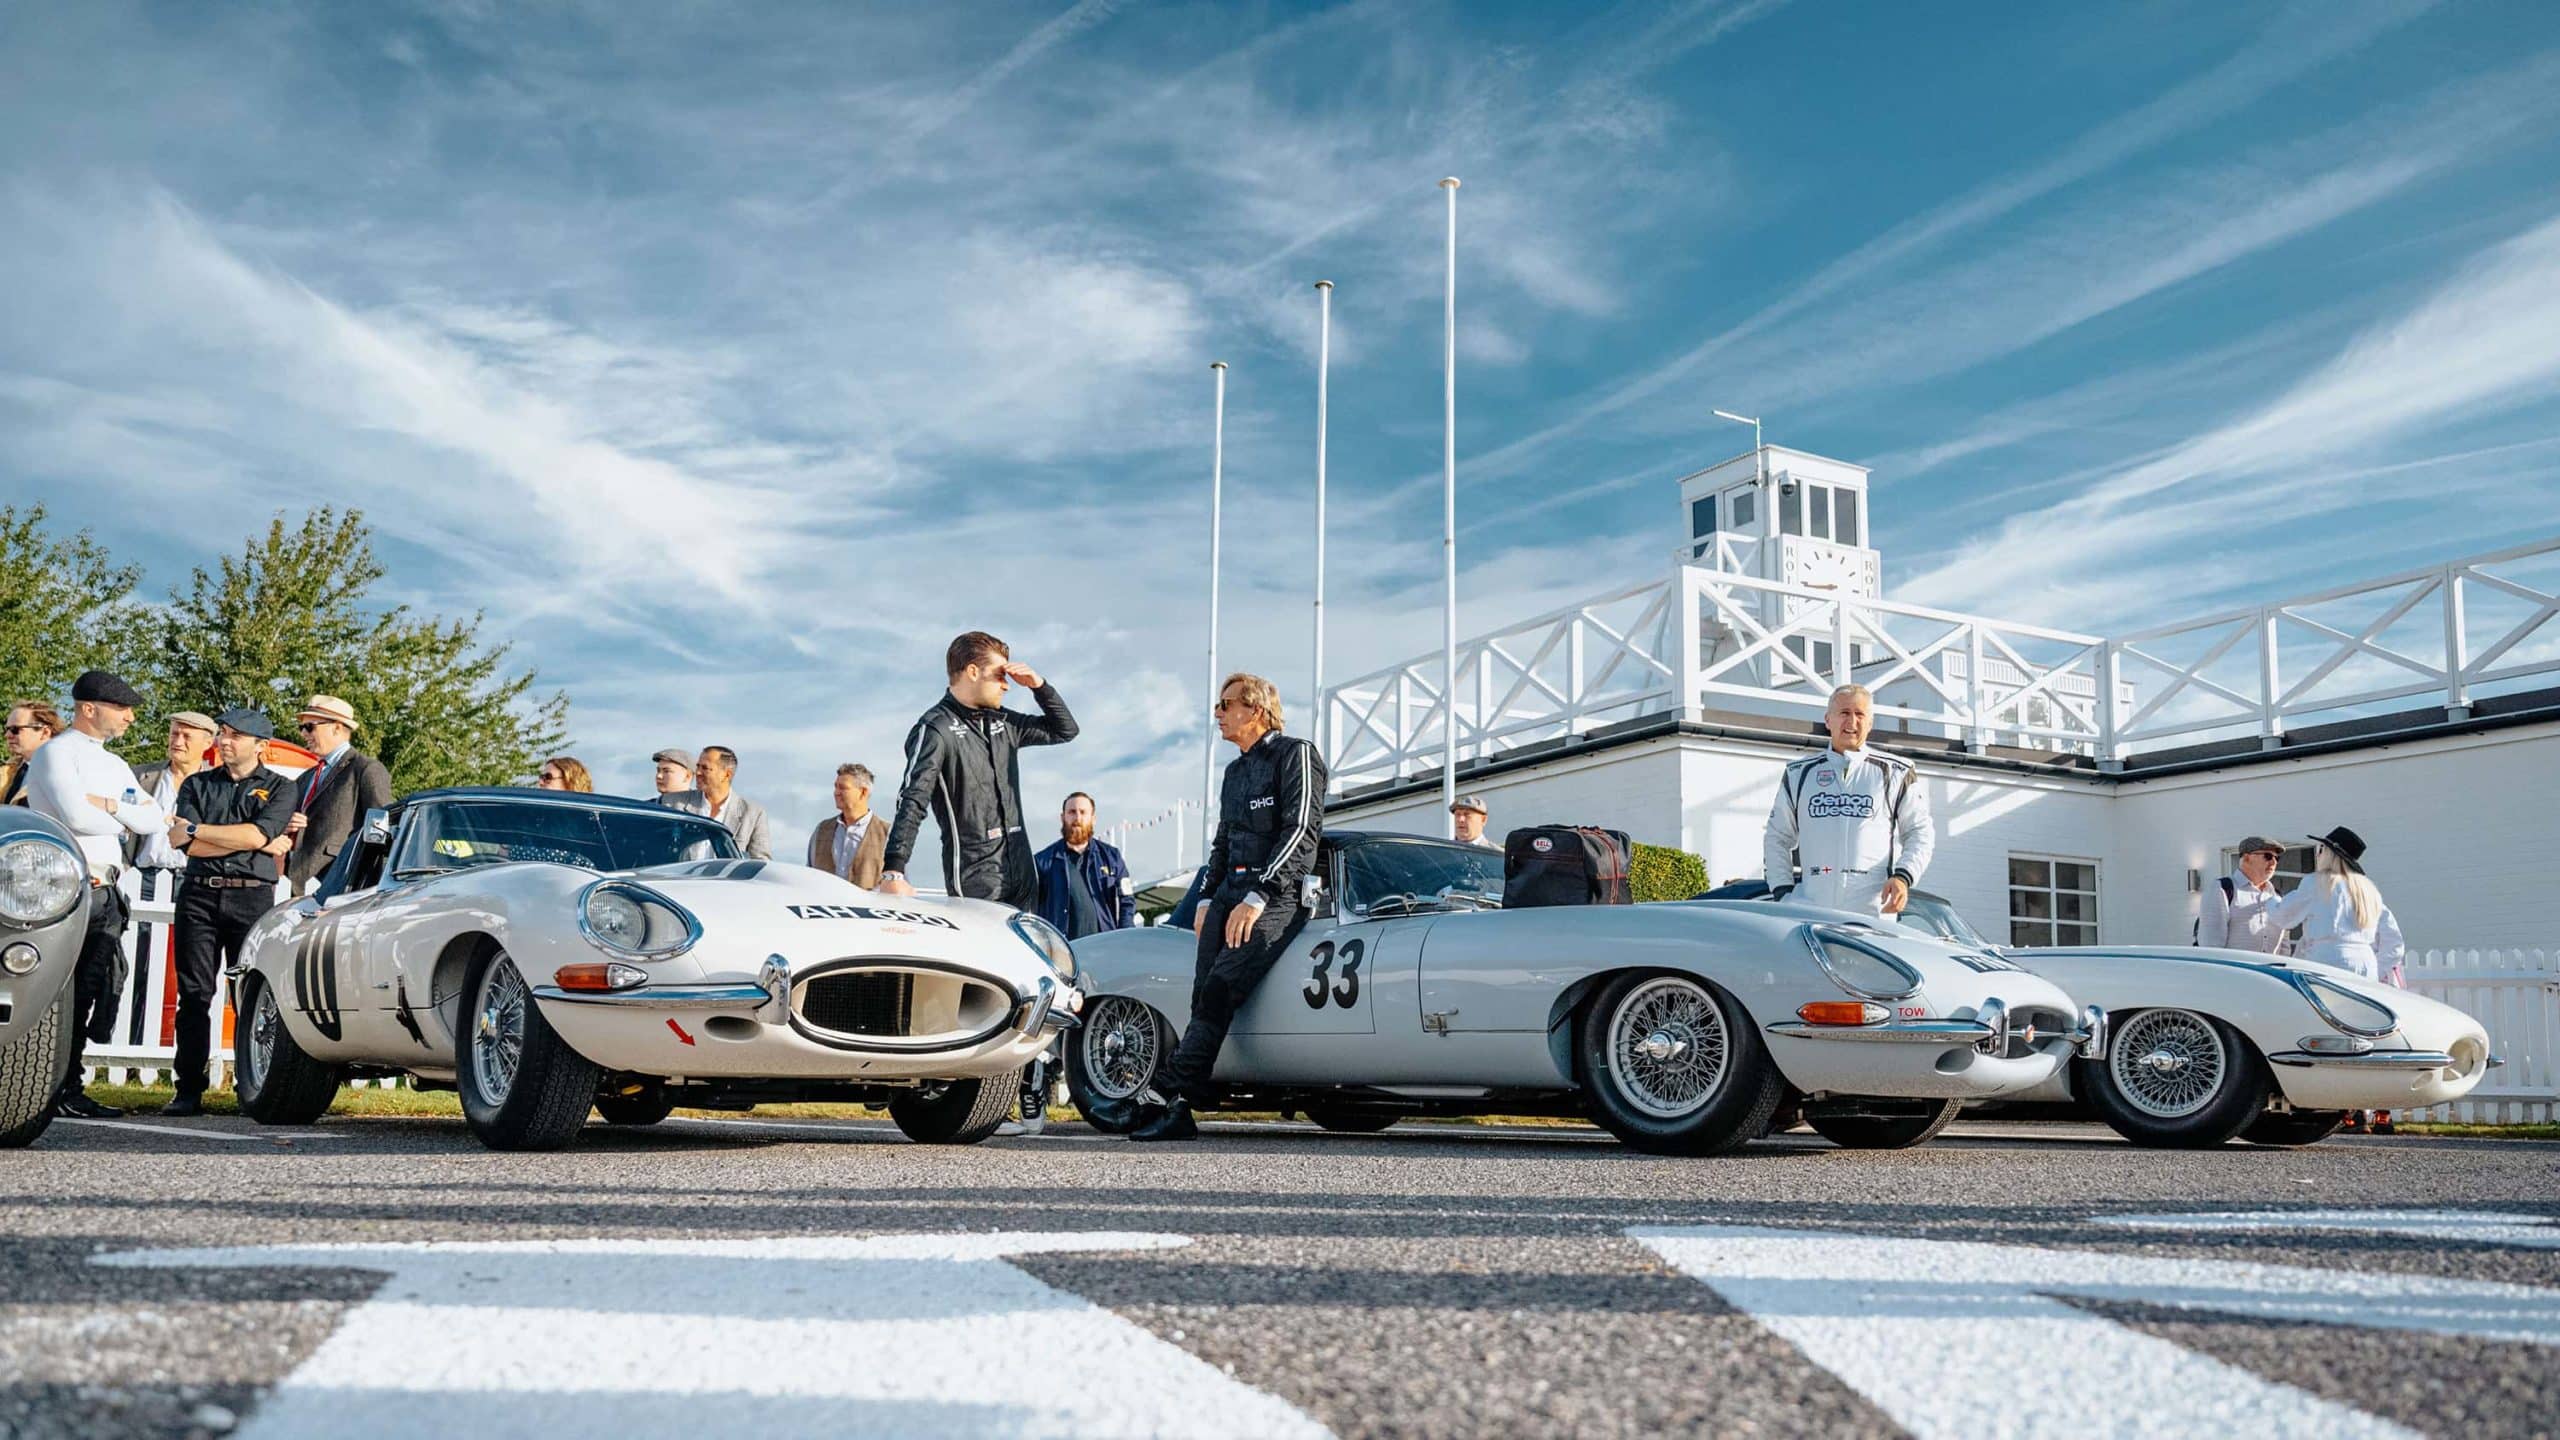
x=376, y=829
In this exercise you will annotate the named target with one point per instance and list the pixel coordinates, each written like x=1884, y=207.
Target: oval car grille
x=860, y=1002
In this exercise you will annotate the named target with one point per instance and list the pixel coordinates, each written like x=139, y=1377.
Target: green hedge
x=1658, y=872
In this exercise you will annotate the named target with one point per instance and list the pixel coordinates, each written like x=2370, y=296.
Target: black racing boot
x=78, y=1105
x=1174, y=1124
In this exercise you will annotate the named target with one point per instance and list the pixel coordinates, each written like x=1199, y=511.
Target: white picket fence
x=2516, y=995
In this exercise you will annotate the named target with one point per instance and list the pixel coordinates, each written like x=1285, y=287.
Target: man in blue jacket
x=1084, y=882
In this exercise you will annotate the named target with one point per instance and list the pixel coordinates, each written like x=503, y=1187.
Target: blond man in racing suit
x=1852, y=822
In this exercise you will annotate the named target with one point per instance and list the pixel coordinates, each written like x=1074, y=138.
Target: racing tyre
x=648, y=1107
x=2175, y=1080
x=1351, y=1119
x=1672, y=1066
x=31, y=1069
x=2293, y=1127
x=1886, y=1132
x=522, y=1087
x=278, y=1081
x=957, y=1112
x=1115, y=1054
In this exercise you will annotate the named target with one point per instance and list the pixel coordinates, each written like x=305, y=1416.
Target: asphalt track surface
x=382, y=1277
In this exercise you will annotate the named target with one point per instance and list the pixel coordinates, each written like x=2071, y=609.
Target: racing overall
x=1849, y=823
x=1270, y=825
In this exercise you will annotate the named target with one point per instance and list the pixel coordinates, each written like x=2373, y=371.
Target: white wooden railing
x=1711, y=634
x=2515, y=995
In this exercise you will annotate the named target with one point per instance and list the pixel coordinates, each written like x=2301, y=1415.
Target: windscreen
x=1419, y=868
x=463, y=833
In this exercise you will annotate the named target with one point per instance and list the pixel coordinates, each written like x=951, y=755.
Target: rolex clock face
x=1829, y=570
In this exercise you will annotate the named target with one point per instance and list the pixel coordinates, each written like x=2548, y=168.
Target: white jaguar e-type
x=547, y=953
x=2209, y=1044
x=1682, y=1029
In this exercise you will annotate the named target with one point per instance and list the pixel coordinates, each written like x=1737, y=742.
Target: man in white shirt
x=2237, y=911
x=78, y=781
x=1854, y=821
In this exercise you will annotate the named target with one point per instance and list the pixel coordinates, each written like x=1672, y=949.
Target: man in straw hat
x=336, y=794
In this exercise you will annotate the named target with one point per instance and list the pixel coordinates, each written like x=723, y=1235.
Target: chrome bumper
x=1989, y=1032
x=663, y=997
x=2370, y=1060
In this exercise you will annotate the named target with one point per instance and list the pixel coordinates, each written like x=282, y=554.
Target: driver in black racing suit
x=1270, y=825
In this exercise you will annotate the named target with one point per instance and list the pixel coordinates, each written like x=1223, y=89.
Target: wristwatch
x=191, y=832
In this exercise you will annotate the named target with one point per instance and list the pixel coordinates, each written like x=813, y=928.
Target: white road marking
x=817, y=1336
x=2468, y=1227
x=196, y=1133
x=1962, y=1339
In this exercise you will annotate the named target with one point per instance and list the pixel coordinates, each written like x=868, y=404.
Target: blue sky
x=733, y=357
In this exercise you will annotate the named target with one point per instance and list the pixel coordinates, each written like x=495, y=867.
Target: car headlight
x=40, y=881
x=1042, y=936
x=628, y=919
x=2348, y=1011
x=1859, y=968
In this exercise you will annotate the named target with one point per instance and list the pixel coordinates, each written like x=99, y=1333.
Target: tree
x=62, y=607
x=287, y=619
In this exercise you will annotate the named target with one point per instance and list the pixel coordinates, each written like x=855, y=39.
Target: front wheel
x=2175, y=1080
x=2284, y=1130
x=1114, y=1056
x=522, y=1087
x=31, y=1069
x=1671, y=1066
x=955, y=1112
x=278, y=1081
x=1886, y=1132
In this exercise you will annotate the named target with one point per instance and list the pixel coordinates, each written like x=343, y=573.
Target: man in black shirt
x=1270, y=825
x=231, y=827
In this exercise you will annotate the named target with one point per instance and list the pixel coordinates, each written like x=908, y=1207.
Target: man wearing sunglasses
x=335, y=794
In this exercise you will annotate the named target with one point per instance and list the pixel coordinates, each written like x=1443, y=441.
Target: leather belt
x=231, y=882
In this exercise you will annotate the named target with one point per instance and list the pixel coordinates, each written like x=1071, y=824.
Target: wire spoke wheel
x=497, y=1042
x=1121, y=1047
x=1669, y=1048
x=2168, y=1064
x=264, y=1022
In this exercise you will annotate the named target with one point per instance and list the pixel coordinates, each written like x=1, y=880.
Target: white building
x=2418, y=708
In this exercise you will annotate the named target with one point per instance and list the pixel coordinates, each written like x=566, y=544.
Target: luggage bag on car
x=1564, y=865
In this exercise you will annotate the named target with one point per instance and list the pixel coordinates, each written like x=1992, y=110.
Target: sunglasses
x=14, y=729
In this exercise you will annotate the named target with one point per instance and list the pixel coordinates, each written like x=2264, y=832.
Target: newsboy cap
x=673, y=757
x=195, y=720
x=247, y=722
x=105, y=688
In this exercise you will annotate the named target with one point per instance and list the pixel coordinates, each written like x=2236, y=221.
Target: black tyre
x=647, y=1107
x=1886, y=1132
x=1672, y=1066
x=522, y=1087
x=2175, y=1080
x=1351, y=1119
x=956, y=1112
x=2293, y=1127
x=31, y=1069
x=1115, y=1055
x=278, y=1081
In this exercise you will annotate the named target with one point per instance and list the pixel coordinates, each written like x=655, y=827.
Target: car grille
x=2048, y=1023
x=874, y=1002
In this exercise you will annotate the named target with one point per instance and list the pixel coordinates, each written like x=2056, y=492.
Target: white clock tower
x=1789, y=516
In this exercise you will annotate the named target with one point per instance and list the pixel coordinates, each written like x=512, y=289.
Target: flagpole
x=1217, y=488
x=1449, y=521
x=1324, y=366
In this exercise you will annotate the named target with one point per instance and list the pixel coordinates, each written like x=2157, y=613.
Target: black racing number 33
x=1319, y=987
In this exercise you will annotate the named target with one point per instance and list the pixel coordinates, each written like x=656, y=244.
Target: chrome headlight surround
x=625, y=918
x=1044, y=939
x=1860, y=968
x=41, y=879
x=2332, y=999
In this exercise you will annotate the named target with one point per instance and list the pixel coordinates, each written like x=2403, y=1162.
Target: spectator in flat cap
x=77, y=780
x=1466, y=819
x=157, y=864
x=336, y=794
x=232, y=824
x=674, y=772
x=2237, y=912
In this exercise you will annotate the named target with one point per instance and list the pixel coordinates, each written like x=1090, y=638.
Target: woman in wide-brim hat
x=2344, y=921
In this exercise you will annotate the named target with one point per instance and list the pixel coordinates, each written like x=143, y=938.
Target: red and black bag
x=1564, y=865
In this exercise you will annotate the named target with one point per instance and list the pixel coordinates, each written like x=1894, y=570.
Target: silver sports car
x=44, y=914
x=1683, y=1029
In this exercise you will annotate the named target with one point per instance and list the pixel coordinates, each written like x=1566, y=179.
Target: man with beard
x=1084, y=882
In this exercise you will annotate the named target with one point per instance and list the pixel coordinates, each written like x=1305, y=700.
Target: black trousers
x=93, y=980
x=211, y=924
x=1224, y=978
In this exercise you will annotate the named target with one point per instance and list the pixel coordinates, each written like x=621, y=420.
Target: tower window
x=1844, y=522
x=1702, y=516
x=1746, y=509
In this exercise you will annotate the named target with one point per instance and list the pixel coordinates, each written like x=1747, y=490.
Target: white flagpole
x=1449, y=521
x=1324, y=366
x=1217, y=488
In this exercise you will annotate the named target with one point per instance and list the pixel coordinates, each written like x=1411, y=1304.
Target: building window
x=1745, y=509
x=1817, y=505
x=1791, y=509
x=1702, y=516
x=2052, y=901
x=1844, y=518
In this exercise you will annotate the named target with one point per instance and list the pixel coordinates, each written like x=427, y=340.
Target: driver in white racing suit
x=1853, y=821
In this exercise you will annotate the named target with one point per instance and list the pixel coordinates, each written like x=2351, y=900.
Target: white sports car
x=44, y=917
x=2209, y=1044
x=1682, y=1029
x=547, y=953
